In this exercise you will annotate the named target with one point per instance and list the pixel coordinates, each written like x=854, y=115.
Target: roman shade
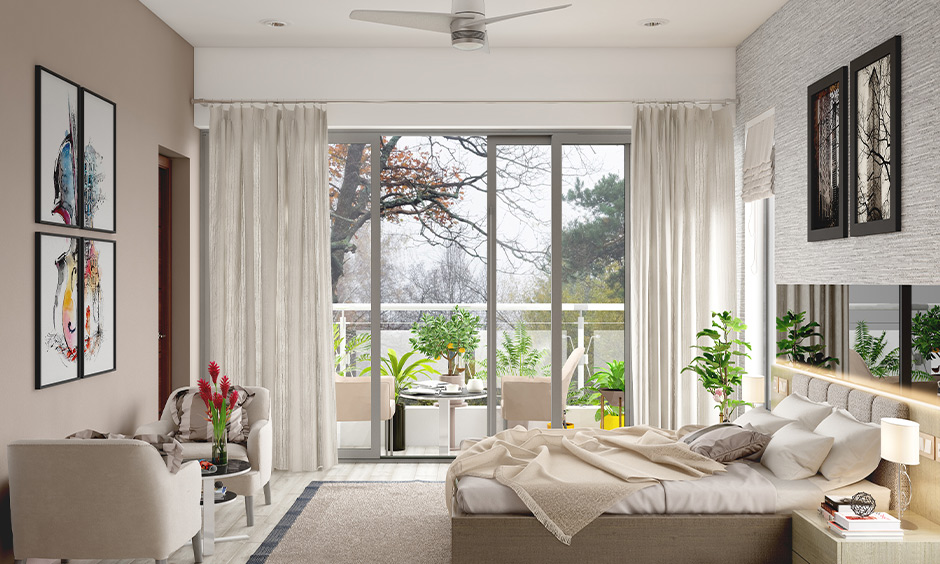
x=759, y=161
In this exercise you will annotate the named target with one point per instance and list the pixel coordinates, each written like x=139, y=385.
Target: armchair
x=259, y=450
x=530, y=399
x=100, y=499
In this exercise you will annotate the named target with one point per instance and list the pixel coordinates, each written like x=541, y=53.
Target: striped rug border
x=287, y=521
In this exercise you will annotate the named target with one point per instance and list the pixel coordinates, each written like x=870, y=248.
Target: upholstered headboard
x=865, y=407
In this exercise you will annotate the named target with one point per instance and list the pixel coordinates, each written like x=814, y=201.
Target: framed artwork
x=876, y=140
x=827, y=139
x=99, y=166
x=58, y=301
x=98, y=303
x=57, y=152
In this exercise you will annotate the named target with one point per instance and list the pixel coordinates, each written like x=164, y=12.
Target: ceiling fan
x=466, y=23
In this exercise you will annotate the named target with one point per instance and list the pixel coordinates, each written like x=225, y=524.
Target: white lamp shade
x=752, y=388
x=900, y=440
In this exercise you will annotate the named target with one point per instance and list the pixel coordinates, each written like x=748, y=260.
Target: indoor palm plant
x=517, y=355
x=220, y=398
x=454, y=337
x=717, y=364
x=881, y=363
x=404, y=373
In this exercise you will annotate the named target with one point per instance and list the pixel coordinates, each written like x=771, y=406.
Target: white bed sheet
x=746, y=488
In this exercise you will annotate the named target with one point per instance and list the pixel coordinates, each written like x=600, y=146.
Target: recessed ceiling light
x=653, y=22
x=274, y=23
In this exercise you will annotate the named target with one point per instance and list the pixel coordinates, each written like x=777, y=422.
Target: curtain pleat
x=683, y=253
x=269, y=270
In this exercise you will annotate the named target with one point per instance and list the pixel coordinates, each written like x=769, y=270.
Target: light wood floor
x=285, y=488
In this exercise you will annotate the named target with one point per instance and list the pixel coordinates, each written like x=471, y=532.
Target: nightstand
x=813, y=543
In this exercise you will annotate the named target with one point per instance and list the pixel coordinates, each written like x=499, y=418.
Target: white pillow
x=856, y=450
x=803, y=409
x=795, y=453
x=762, y=420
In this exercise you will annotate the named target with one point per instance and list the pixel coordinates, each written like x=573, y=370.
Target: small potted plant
x=610, y=385
x=925, y=330
x=454, y=338
x=404, y=373
x=717, y=366
x=792, y=345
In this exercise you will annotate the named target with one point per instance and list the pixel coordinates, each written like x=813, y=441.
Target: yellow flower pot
x=610, y=422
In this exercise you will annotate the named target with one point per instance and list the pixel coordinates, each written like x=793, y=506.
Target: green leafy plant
x=404, y=373
x=357, y=345
x=609, y=379
x=517, y=355
x=437, y=336
x=925, y=330
x=881, y=363
x=795, y=332
x=717, y=366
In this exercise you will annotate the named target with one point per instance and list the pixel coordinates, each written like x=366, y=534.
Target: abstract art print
x=98, y=162
x=876, y=148
x=57, y=152
x=828, y=149
x=58, y=301
x=98, y=304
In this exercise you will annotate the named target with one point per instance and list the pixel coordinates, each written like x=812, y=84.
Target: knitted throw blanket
x=568, y=477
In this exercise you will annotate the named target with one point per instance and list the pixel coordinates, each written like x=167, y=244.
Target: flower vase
x=220, y=447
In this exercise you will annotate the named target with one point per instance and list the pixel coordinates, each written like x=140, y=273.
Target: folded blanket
x=568, y=477
x=169, y=448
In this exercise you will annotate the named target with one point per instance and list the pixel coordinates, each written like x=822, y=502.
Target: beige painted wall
x=121, y=50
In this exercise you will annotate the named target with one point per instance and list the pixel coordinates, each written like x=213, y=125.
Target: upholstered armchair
x=530, y=399
x=100, y=499
x=353, y=398
x=258, y=451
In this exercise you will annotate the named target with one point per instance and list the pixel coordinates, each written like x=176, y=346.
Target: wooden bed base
x=646, y=539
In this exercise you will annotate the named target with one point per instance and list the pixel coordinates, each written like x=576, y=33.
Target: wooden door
x=164, y=334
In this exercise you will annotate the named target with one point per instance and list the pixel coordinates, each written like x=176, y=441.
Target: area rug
x=352, y=522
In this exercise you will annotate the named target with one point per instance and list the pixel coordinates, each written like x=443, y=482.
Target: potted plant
x=454, y=338
x=925, y=330
x=517, y=355
x=795, y=332
x=403, y=373
x=610, y=385
x=872, y=350
x=716, y=366
x=355, y=349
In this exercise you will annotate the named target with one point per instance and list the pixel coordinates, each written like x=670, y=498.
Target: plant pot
x=398, y=427
x=610, y=422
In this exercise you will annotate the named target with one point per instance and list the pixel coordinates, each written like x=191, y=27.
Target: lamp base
x=906, y=524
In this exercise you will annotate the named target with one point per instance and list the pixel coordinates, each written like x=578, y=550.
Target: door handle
x=161, y=336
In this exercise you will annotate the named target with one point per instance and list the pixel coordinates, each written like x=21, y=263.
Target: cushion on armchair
x=188, y=413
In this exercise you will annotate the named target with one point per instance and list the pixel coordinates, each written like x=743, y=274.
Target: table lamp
x=752, y=389
x=900, y=444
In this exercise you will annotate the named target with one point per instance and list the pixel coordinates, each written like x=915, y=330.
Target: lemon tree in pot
x=453, y=338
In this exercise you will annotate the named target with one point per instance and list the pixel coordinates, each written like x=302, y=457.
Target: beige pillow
x=729, y=443
x=803, y=409
x=856, y=447
x=795, y=453
x=762, y=420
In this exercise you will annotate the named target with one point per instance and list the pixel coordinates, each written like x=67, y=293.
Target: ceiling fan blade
x=520, y=14
x=428, y=21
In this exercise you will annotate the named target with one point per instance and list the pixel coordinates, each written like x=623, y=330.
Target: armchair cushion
x=188, y=413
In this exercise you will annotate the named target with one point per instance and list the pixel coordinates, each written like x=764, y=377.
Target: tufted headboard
x=865, y=406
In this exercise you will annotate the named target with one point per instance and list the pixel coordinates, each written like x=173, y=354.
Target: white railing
x=342, y=308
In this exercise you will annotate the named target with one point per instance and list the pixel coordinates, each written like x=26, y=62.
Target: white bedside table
x=813, y=543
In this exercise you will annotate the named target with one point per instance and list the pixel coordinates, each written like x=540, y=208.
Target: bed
x=489, y=524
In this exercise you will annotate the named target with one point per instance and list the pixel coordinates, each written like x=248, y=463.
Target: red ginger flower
x=205, y=392
x=214, y=371
x=234, y=400
x=225, y=386
x=218, y=400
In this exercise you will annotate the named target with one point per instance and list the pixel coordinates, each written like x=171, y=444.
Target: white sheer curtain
x=270, y=316
x=683, y=256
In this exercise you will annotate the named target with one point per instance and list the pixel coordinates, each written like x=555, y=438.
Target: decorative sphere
x=863, y=504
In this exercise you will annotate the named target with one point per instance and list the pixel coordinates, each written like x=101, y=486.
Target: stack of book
x=846, y=524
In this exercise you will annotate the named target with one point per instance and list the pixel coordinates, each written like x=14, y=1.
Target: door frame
x=165, y=281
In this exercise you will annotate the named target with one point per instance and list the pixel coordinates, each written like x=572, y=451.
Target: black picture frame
x=869, y=140
x=89, y=126
x=90, y=367
x=826, y=216
x=47, y=284
x=52, y=133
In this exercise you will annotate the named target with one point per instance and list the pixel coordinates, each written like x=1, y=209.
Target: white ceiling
x=587, y=23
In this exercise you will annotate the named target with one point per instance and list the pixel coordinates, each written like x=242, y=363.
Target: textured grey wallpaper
x=803, y=42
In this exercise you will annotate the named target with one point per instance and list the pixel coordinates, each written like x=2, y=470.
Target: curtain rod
x=205, y=101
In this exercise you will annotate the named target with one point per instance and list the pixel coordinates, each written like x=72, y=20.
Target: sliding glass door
x=517, y=242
